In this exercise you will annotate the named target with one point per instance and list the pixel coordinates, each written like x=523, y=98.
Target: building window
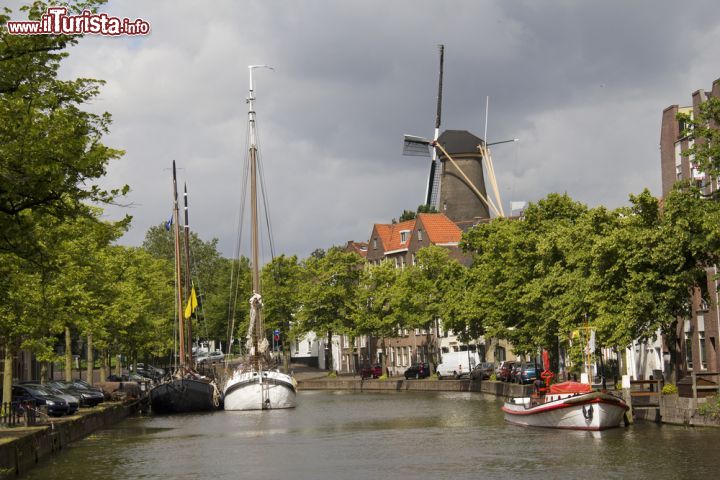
x=404, y=236
x=374, y=243
x=688, y=351
x=703, y=350
x=309, y=346
x=414, y=260
x=419, y=235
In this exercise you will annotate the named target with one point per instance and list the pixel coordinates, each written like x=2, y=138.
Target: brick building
x=699, y=334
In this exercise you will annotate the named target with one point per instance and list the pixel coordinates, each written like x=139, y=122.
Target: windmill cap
x=460, y=141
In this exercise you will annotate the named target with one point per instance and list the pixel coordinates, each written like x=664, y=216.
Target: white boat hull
x=589, y=411
x=260, y=390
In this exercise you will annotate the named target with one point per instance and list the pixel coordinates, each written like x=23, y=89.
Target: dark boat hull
x=183, y=395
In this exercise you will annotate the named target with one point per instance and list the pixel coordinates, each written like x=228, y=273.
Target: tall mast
x=178, y=273
x=188, y=278
x=255, y=242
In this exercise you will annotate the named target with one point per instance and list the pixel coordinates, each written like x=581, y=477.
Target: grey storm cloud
x=582, y=84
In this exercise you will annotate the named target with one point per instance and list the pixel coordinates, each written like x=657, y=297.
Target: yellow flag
x=192, y=304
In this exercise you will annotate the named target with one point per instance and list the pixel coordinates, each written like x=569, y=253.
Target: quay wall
x=500, y=389
x=677, y=410
x=23, y=447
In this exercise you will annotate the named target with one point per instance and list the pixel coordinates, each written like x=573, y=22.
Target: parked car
x=526, y=374
x=147, y=373
x=505, y=371
x=374, y=371
x=56, y=406
x=482, y=371
x=213, y=357
x=151, y=369
x=89, y=395
x=73, y=401
x=417, y=370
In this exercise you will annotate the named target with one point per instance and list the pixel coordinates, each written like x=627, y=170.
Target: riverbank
x=500, y=389
x=21, y=448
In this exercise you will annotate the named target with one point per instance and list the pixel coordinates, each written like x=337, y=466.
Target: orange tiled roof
x=395, y=242
x=384, y=231
x=439, y=228
x=360, y=248
x=390, y=234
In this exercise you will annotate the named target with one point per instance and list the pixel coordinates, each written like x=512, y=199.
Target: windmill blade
x=416, y=146
x=433, y=184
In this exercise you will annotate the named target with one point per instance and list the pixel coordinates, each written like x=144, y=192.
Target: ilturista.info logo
x=56, y=21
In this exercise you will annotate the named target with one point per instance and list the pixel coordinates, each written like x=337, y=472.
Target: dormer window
x=404, y=236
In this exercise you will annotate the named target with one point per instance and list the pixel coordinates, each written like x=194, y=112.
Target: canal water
x=398, y=435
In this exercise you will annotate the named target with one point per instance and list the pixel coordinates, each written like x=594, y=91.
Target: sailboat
x=185, y=390
x=255, y=385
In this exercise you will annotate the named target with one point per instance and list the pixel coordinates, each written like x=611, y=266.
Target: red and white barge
x=568, y=405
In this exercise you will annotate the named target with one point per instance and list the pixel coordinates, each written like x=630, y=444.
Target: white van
x=457, y=364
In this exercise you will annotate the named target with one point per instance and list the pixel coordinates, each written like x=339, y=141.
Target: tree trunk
x=90, y=360
x=7, y=376
x=103, y=365
x=43, y=373
x=384, y=359
x=329, y=358
x=68, y=355
x=118, y=365
x=286, y=354
x=671, y=340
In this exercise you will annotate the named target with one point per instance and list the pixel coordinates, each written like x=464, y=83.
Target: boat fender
x=588, y=412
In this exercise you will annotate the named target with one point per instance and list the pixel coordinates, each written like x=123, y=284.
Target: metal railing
x=646, y=393
x=16, y=414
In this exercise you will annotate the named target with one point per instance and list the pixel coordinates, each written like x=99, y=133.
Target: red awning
x=570, y=387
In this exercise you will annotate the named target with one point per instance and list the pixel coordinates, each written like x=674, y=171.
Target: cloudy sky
x=581, y=84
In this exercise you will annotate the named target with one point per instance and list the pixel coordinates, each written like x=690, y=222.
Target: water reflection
x=364, y=435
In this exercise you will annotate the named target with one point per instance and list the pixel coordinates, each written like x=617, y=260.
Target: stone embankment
x=22, y=447
x=678, y=410
x=500, y=389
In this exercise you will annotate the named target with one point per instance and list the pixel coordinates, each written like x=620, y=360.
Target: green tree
x=375, y=314
x=210, y=274
x=51, y=151
x=281, y=284
x=704, y=132
x=328, y=297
